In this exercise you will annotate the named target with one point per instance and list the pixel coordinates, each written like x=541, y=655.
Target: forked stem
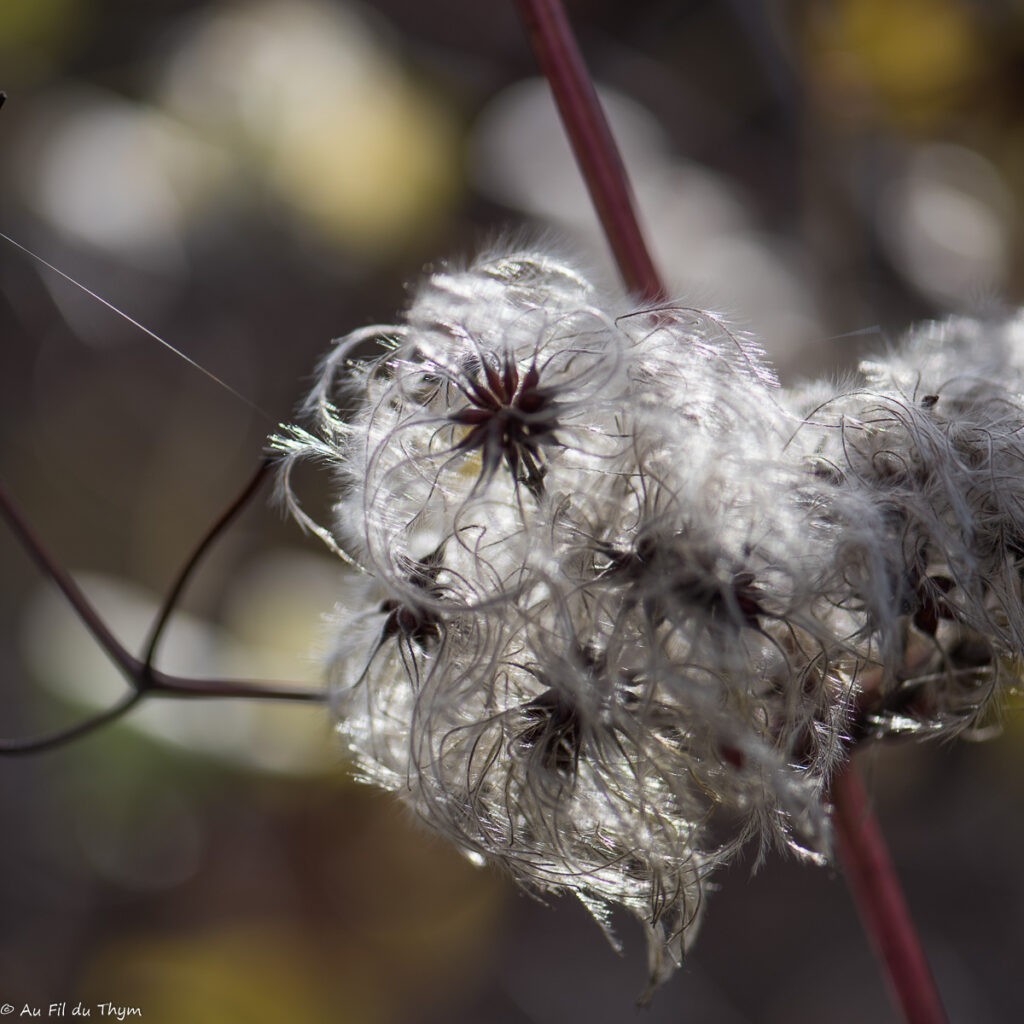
x=144, y=680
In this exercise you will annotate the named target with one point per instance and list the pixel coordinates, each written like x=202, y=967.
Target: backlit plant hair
x=609, y=665
x=627, y=605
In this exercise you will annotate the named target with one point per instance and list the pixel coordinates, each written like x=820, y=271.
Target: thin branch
x=163, y=685
x=880, y=902
x=159, y=684
x=213, y=533
x=49, y=566
x=596, y=152
x=40, y=744
x=140, y=675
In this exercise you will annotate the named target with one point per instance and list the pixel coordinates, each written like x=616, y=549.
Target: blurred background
x=251, y=179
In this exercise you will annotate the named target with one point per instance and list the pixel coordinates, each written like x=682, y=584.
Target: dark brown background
x=197, y=879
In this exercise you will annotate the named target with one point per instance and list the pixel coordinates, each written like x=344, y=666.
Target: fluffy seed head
x=626, y=600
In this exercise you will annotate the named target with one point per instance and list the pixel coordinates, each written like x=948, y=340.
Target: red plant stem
x=879, y=900
x=596, y=151
x=869, y=871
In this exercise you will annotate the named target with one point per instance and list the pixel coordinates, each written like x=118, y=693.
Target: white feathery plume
x=627, y=598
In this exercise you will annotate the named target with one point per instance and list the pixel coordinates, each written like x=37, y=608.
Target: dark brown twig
x=164, y=685
x=143, y=679
x=225, y=519
x=62, y=737
x=49, y=566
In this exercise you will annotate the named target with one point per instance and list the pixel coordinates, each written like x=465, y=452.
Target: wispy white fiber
x=626, y=601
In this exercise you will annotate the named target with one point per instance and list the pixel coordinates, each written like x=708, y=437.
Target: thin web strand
x=135, y=323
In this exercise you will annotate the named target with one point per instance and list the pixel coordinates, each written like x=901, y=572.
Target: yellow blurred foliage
x=33, y=35
x=259, y=974
x=37, y=22
x=374, y=176
x=908, y=60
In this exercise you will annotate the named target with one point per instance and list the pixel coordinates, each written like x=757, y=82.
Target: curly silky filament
x=630, y=602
